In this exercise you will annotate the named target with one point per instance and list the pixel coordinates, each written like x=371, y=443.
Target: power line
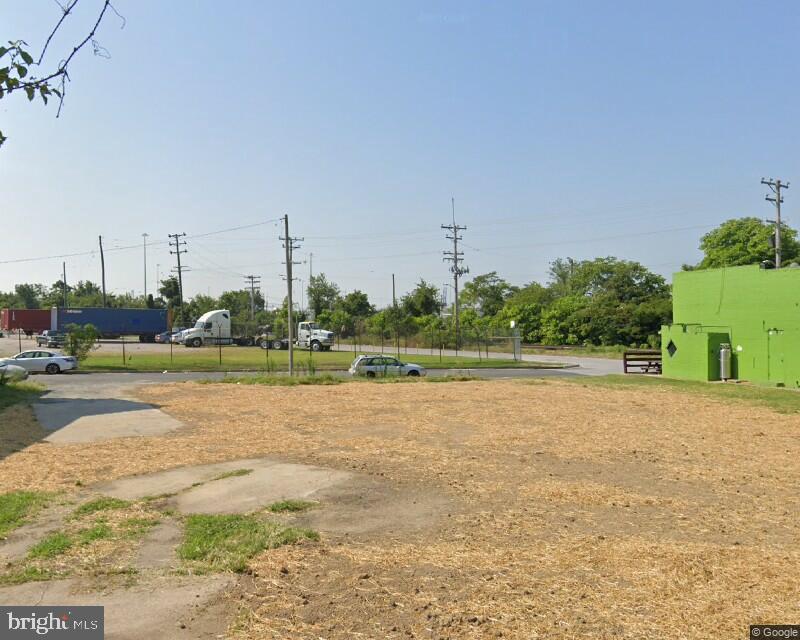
x=455, y=258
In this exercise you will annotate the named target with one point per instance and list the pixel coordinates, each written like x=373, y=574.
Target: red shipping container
x=29, y=320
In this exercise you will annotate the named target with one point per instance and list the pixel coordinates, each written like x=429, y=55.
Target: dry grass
x=580, y=511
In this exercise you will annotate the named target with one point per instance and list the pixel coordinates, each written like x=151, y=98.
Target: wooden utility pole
x=776, y=186
x=175, y=241
x=103, y=269
x=455, y=258
x=289, y=244
x=144, y=245
x=255, y=281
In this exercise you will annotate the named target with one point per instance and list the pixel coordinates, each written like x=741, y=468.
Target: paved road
x=584, y=366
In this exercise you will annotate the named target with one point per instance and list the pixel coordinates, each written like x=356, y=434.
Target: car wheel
x=370, y=374
x=316, y=346
x=52, y=369
x=413, y=373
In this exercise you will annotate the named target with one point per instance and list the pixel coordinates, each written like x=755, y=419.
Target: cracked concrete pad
x=268, y=482
x=72, y=420
x=172, y=607
x=159, y=548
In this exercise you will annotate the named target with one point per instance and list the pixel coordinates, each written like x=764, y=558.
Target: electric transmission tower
x=776, y=186
x=455, y=258
x=177, y=243
x=255, y=283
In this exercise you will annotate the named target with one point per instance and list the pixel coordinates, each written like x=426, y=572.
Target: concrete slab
x=80, y=420
x=268, y=482
x=172, y=607
x=158, y=550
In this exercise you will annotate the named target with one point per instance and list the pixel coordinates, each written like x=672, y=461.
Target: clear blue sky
x=562, y=129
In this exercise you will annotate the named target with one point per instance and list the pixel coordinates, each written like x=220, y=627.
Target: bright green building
x=755, y=310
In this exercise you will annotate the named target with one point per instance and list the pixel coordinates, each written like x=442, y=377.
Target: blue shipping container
x=112, y=323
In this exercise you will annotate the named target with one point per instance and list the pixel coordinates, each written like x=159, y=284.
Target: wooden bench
x=641, y=361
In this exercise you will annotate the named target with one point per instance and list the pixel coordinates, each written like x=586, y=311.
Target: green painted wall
x=756, y=310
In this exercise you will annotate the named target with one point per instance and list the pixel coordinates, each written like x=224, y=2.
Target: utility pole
x=455, y=258
x=255, y=281
x=64, y=280
x=103, y=269
x=175, y=241
x=776, y=186
x=394, y=306
x=144, y=244
x=289, y=244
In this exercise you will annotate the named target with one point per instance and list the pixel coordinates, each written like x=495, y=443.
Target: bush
x=81, y=339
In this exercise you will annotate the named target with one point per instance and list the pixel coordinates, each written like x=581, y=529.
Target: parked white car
x=372, y=366
x=42, y=362
x=13, y=373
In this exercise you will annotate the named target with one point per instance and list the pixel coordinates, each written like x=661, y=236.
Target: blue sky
x=576, y=129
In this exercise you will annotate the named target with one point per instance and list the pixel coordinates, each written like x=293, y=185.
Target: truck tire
x=316, y=346
x=195, y=342
x=248, y=342
x=277, y=345
x=264, y=344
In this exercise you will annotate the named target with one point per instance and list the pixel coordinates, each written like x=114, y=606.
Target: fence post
x=124, y=361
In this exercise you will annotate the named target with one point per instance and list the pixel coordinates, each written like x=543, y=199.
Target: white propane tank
x=725, y=361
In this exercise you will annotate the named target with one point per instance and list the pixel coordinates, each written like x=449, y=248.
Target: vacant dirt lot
x=508, y=508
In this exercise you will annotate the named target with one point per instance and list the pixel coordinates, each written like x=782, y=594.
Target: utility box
x=756, y=311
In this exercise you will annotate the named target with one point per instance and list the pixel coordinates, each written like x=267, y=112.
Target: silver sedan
x=372, y=366
x=42, y=362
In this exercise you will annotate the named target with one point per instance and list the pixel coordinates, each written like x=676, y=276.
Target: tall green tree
x=741, y=241
x=423, y=300
x=486, y=293
x=356, y=304
x=322, y=294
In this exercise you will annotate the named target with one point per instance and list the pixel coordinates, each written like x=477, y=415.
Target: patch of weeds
x=99, y=531
x=227, y=542
x=137, y=527
x=15, y=392
x=100, y=504
x=233, y=474
x=51, y=546
x=291, y=506
x=26, y=574
x=17, y=506
x=279, y=381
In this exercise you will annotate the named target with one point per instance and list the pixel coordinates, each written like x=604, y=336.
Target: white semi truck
x=309, y=336
x=215, y=328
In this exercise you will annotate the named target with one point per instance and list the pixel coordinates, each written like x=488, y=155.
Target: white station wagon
x=42, y=362
x=372, y=366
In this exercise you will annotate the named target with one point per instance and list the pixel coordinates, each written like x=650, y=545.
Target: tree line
x=603, y=301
